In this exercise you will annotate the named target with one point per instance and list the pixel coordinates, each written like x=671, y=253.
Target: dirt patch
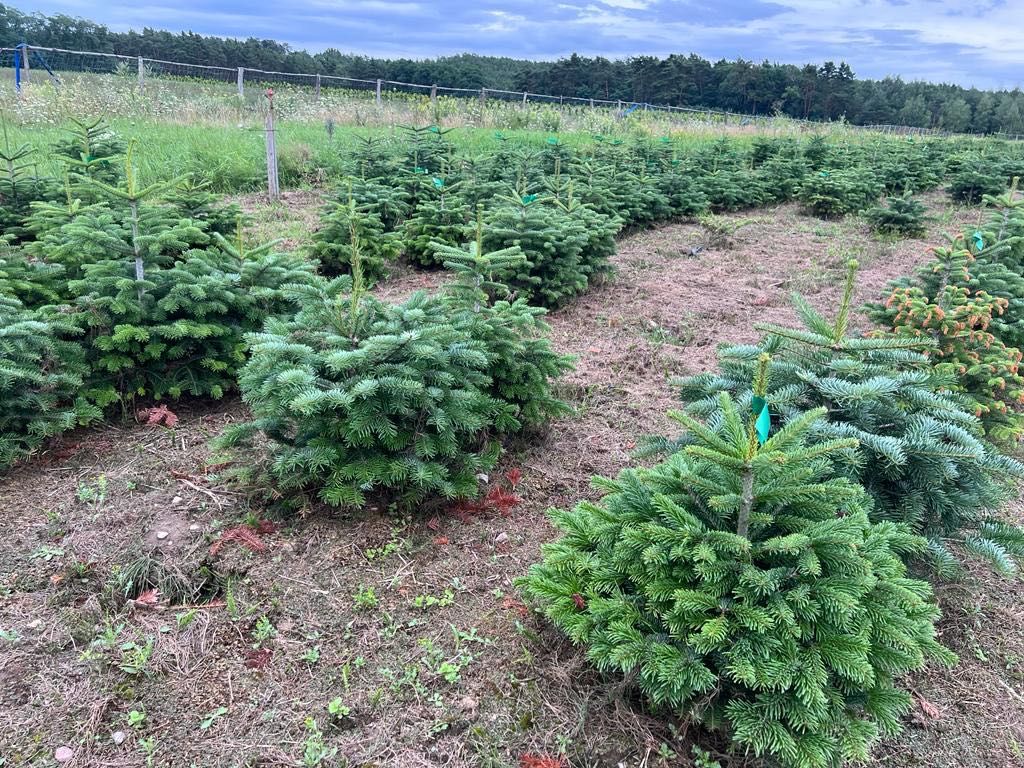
x=373, y=640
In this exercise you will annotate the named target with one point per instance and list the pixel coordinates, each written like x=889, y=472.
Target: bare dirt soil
x=412, y=626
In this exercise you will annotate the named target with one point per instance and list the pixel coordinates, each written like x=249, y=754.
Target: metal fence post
x=483, y=98
x=378, y=92
x=316, y=88
x=241, y=81
x=142, y=76
x=28, y=67
x=524, y=98
x=433, y=94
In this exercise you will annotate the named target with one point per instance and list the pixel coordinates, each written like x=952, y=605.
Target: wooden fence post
x=524, y=98
x=379, y=102
x=142, y=76
x=483, y=98
x=433, y=94
x=28, y=66
x=241, y=82
x=316, y=88
x=273, y=185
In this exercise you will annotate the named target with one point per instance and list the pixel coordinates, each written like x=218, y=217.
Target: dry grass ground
x=413, y=624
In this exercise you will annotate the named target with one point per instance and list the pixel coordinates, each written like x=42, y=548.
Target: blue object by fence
x=22, y=54
x=631, y=109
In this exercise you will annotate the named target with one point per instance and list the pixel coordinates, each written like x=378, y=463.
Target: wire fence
x=24, y=64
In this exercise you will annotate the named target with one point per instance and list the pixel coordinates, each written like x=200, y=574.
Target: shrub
x=943, y=305
x=41, y=376
x=902, y=216
x=743, y=584
x=440, y=218
x=343, y=221
x=550, y=239
x=920, y=456
x=837, y=193
x=180, y=329
x=975, y=180
x=357, y=397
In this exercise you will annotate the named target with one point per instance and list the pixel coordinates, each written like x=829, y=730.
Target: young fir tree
x=521, y=363
x=974, y=180
x=742, y=583
x=20, y=186
x=179, y=330
x=358, y=398
x=32, y=282
x=832, y=193
x=942, y=304
x=901, y=216
x=192, y=199
x=91, y=152
x=441, y=217
x=41, y=377
x=920, y=456
x=551, y=240
x=340, y=222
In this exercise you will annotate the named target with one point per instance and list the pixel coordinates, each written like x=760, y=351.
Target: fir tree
x=742, y=583
x=839, y=192
x=91, y=152
x=192, y=199
x=41, y=376
x=442, y=217
x=521, y=363
x=920, y=456
x=20, y=186
x=973, y=181
x=343, y=221
x=551, y=240
x=943, y=305
x=903, y=216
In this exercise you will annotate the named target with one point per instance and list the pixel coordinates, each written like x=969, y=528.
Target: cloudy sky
x=971, y=43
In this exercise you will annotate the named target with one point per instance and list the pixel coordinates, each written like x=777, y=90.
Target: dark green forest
x=828, y=91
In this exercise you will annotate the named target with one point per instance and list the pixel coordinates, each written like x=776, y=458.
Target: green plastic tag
x=434, y=129
x=439, y=183
x=979, y=241
x=417, y=169
x=664, y=139
x=762, y=419
x=824, y=174
x=527, y=199
x=499, y=136
x=552, y=141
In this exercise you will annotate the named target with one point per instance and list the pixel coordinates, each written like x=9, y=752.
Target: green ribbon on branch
x=527, y=199
x=762, y=419
x=979, y=241
x=439, y=183
x=417, y=169
x=499, y=136
x=553, y=141
x=434, y=129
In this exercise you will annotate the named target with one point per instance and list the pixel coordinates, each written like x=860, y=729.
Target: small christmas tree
x=943, y=305
x=903, y=216
x=344, y=221
x=832, y=193
x=41, y=376
x=522, y=365
x=192, y=199
x=742, y=583
x=919, y=455
x=441, y=217
x=551, y=240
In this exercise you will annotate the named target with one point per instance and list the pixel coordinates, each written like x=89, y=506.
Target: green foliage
x=192, y=200
x=521, y=363
x=743, y=584
x=41, y=373
x=181, y=328
x=358, y=397
x=552, y=241
x=943, y=305
x=975, y=180
x=903, y=216
x=839, y=192
x=920, y=456
x=91, y=152
x=350, y=220
x=442, y=217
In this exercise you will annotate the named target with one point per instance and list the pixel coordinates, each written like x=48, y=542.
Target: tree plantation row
x=765, y=577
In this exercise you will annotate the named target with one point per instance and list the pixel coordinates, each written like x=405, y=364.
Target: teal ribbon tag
x=499, y=136
x=762, y=419
x=824, y=174
x=439, y=183
x=664, y=139
x=553, y=141
x=417, y=169
x=434, y=129
x=527, y=199
x=979, y=241
x=598, y=137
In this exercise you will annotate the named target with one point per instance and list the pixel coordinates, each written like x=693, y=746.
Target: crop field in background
x=169, y=602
